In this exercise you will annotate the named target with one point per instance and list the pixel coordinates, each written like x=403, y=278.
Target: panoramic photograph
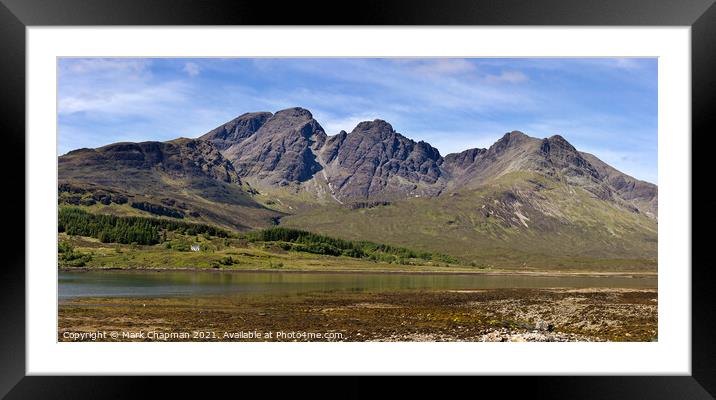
x=357, y=199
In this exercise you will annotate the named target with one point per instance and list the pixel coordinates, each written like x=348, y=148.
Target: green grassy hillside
x=99, y=241
x=521, y=220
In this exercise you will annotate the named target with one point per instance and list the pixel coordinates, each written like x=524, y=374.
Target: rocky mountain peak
x=509, y=139
x=294, y=112
x=377, y=128
x=428, y=151
x=236, y=130
x=464, y=159
x=375, y=161
x=333, y=143
x=565, y=158
x=558, y=141
x=293, y=122
x=282, y=148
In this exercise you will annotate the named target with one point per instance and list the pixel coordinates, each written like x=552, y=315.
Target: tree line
x=298, y=240
x=157, y=209
x=127, y=230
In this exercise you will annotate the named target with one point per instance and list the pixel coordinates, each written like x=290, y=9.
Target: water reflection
x=122, y=284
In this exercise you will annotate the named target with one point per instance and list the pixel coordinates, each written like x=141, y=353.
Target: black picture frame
x=16, y=15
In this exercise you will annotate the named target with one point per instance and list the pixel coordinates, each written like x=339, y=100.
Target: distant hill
x=184, y=178
x=522, y=200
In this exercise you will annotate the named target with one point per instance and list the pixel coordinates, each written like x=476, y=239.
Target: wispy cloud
x=627, y=63
x=106, y=100
x=104, y=67
x=438, y=66
x=131, y=100
x=115, y=87
x=192, y=69
x=508, y=76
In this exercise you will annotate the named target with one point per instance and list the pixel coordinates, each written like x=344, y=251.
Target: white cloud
x=128, y=67
x=101, y=101
x=117, y=88
x=508, y=76
x=629, y=64
x=192, y=69
x=418, y=92
x=440, y=66
x=139, y=100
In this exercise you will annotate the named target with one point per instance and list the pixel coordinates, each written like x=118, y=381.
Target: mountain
x=522, y=201
x=184, y=178
x=236, y=130
x=281, y=150
x=376, y=162
x=641, y=195
x=521, y=219
x=516, y=151
x=554, y=157
x=290, y=148
x=289, y=157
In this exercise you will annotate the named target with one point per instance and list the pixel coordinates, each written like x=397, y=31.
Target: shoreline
x=589, y=274
x=491, y=315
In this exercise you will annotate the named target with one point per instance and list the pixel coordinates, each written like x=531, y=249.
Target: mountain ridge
x=375, y=163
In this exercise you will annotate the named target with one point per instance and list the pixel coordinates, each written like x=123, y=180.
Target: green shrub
x=181, y=247
x=226, y=261
x=64, y=247
x=68, y=257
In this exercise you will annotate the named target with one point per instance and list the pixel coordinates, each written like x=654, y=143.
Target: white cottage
x=195, y=247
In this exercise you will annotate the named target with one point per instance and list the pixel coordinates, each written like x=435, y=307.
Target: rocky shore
x=494, y=315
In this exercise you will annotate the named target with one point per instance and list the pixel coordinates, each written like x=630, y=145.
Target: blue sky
x=605, y=106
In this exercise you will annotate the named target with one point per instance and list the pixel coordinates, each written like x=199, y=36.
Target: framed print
x=474, y=191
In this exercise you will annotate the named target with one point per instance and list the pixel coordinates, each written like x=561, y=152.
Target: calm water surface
x=184, y=283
